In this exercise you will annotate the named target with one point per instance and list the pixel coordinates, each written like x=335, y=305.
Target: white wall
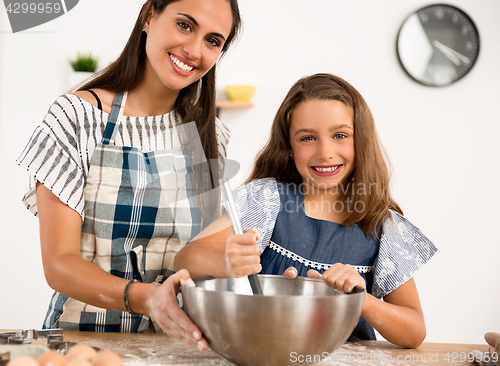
x=441, y=140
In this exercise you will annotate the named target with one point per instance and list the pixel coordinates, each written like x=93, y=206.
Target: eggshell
x=107, y=358
x=51, y=358
x=78, y=362
x=81, y=352
x=23, y=361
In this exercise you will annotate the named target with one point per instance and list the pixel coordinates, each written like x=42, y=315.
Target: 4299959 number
x=471, y=357
x=32, y=8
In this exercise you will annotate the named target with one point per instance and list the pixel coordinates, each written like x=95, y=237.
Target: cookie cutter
x=54, y=338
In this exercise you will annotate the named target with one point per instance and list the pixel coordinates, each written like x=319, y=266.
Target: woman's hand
x=60, y=233
x=242, y=254
x=162, y=307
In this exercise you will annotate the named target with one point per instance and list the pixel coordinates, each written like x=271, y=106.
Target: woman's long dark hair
x=372, y=170
x=196, y=102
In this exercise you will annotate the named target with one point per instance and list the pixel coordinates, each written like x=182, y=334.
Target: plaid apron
x=140, y=210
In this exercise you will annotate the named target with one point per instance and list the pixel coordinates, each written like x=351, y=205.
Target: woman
x=126, y=155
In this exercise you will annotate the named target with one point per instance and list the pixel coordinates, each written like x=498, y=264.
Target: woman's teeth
x=181, y=64
x=325, y=170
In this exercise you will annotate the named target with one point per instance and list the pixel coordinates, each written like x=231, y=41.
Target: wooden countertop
x=160, y=349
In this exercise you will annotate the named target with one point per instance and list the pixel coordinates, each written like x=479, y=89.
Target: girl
x=318, y=203
x=140, y=184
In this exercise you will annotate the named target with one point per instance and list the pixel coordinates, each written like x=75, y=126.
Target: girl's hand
x=291, y=273
x=162, y=307
x=341, y=277
x=242, y=254
x=392, y=317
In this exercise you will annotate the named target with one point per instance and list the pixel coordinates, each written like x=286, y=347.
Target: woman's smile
x=185, y=41
x=181, y=65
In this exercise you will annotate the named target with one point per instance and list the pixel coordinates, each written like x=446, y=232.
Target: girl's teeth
x=329, y=169
x=180, y=64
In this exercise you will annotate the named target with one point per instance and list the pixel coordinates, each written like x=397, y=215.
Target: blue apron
x=140, y=210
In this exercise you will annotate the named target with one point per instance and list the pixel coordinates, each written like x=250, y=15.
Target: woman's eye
x=184, y=26
x=213, y=42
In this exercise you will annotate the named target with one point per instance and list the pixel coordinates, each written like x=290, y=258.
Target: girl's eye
x=213, y=42
x=307, y=138
x=184, y=26
x=339, y=136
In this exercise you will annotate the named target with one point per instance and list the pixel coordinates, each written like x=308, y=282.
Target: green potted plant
x=84, y=62
x=84, y=65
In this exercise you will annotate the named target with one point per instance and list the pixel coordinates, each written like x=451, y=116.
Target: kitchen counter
x=160, y=349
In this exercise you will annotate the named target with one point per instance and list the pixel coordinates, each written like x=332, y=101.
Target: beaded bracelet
x=125, y=297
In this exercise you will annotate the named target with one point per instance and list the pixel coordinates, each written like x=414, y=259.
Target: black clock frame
x=473, y=61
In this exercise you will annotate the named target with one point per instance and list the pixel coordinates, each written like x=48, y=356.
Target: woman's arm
x=65, y=270
x=217, y=252
x=68, y=273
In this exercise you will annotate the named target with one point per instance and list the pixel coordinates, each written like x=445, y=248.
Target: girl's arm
x=399, y=318
x=68, y=273
x=217, y=252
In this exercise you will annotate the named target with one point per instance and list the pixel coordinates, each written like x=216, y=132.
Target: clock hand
x=446, y=52
x=450, y=52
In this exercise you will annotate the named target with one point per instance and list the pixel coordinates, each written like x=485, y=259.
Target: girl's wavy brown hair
x=372, y=169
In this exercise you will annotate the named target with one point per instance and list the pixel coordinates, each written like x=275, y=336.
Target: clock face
x=438, y=45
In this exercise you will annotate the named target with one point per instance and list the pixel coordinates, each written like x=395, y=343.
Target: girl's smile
x=322, y=142
x=326, y=171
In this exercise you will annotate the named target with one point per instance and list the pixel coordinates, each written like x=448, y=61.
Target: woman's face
x=185, y=41
x=322, y=141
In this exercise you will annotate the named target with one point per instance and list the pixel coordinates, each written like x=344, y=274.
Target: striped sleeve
x=58, y=153
x=223, y=135
x=258, y=204
x=403, y=251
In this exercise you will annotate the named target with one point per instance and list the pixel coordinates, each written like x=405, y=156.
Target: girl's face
x=185, y=41
x=322, y=141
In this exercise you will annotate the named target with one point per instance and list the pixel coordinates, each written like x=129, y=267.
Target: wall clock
x=438, y=45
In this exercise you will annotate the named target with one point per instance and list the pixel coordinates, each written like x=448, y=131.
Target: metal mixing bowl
x=294, y=319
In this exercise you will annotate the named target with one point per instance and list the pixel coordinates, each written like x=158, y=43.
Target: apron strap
x=114, y=118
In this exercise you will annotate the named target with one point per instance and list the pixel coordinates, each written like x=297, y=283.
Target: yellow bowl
x=240, y=93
